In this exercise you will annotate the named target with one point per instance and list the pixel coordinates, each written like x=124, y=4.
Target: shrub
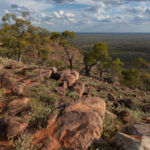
x=39, y=113
x=131, y=78
x=31, y=73
x=101, y=146
x=109, y=127
x=23, y=142
x=73, y=95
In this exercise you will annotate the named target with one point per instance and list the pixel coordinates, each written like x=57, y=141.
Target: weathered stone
x=19, y=89
x=138, y=129
x=60, y=90
x=131, y=142
x=76, y=74
x=17, y=106
x=78, y=87
x=6, y=82
x=12, y=126
x=76, y=127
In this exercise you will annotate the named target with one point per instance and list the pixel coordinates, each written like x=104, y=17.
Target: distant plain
x=127, y=46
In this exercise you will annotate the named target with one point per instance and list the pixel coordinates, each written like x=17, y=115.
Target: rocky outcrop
x=137, y=137
x=18, y=89
x=66, y=77
x=76, y=127
x=17, y=106
x=12, y=126
x=78, y=87
x=6, y=81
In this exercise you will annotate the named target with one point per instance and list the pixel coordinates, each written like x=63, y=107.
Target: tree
x=44, y=54
x=65, y=41
x=55, y=35
x=14, y=33
x=98, y=55
x=19, y=37
x=140, y=63
x=146, y=80
x=131, y=78
x=114, y=66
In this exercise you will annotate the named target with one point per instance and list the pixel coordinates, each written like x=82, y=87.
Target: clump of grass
x=31, y=73
x=42, y=92
x=73, y=95
x=109, y=127
x=23, y=142
x=39, y=113
x=101, y=146
x=2, y=92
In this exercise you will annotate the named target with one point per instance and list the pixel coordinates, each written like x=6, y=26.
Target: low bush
x=23, y=142
x=73, y=95
x=39, y=113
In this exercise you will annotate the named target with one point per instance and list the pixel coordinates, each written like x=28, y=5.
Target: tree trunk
x=71, y=64
x=19, y=55
x=101, y=75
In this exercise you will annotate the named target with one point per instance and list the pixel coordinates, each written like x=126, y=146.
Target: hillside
x=48, y=109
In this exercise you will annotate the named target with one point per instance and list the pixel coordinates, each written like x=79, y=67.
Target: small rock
x=78, y=87
x=17, y=106
x=60, y=90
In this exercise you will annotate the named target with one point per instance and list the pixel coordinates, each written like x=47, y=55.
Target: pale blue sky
x=84, y=15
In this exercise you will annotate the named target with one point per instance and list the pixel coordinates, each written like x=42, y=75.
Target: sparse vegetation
x=39, y=113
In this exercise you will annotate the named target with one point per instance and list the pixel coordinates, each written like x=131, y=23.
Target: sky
x=83, y=15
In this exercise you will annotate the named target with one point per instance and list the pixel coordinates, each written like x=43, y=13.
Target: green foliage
x=19, y=37
x=44, y=54
x=55, y=35
x=39, y=113
x=23, y=142
x=41, y=92
x=114, y=66
x=73, y=95
x=99, y=54
x=101, y=146
x=140, y=63
x=109, y=127
x=145, y=77
x=2, y=92
x=57, y=63
x=65, y=41
x=69, y=35
x=31, y=73
x=131, y=78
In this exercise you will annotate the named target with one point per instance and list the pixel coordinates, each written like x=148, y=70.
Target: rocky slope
x=47, y=109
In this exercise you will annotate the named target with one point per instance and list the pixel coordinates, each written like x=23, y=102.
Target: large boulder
x=12, y=126
x=6, y=81
x=136, y=137
x=67, y=76
x=76, y=127
x=17, y=106
x=131, y=142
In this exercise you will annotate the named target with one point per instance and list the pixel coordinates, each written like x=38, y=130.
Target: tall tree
x=65, y=41
x=98, y=54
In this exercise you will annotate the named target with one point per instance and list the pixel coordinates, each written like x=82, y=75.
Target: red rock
x=17, y=106
x=78, y=87
x=12, y=126
x=77, y=127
